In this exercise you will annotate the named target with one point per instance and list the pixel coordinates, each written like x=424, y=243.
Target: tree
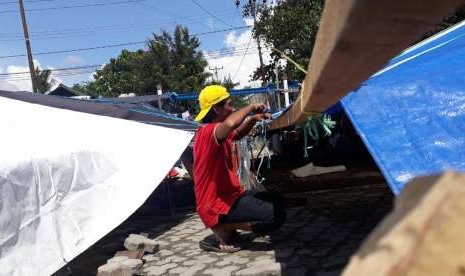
x=457, y=16
x=174, y=62
x=122, y=75
x=290, y=26
x=43, y=80
x=86, y=88
x=181, y=66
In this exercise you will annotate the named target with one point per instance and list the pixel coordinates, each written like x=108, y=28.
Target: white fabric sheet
x=68, y=178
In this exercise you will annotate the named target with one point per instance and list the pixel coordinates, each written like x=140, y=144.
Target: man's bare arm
x=235, y=120
x=249, y=123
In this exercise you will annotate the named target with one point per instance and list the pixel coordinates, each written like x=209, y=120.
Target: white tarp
x=68, y=178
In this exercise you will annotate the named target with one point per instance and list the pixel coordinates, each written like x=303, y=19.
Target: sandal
x=237, y=238
x=214, y=246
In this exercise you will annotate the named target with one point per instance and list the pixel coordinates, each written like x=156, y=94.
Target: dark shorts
x=264, y=210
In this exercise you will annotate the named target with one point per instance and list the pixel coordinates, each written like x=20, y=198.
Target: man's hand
x=259, y=108
x=261, y=116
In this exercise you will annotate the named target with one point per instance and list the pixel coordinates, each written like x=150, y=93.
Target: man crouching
x=222, y=203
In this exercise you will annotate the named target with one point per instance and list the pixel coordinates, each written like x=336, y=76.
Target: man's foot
x=210, y=243
x=237, y=238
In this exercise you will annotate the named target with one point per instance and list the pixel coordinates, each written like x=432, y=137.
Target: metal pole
x=28, y=48
x=286, y=94
x=277, y=94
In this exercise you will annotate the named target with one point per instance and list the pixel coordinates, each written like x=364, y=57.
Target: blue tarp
x=185, y=96
x=411, y=114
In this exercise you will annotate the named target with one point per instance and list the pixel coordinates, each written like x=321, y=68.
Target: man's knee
x=279, y=217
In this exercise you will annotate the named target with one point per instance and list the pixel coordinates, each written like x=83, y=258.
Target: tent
x=72, y=170
x=411, y=114
x=63, y=90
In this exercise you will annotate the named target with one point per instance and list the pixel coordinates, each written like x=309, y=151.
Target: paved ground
x=329, y=216
x=324, y=228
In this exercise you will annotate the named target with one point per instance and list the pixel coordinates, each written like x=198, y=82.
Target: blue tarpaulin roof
x=411, y=114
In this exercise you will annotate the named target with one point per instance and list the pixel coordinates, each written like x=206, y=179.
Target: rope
x=265, y=126
x=298, y=66
x=252, y=180
x=313, y=127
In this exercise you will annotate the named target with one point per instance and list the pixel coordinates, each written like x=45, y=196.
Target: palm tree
x=43, y=82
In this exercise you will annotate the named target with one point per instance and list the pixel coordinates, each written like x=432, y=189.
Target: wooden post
x=423, y=235
x=28, y=48
x=357, y=38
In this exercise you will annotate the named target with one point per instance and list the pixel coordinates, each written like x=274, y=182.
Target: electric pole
x=216, y=69
x=159, y=93
x=28, y=47
x=254, y=13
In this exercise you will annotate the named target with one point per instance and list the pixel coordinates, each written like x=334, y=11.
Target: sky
x=85, y=34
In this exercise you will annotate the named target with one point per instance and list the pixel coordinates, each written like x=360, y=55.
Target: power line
x=76, y=50
x=60, y=33
x=84, y=68
x=61, y=72
x=242, y=60
x=53, y=70
x=110, y=46
x=76, y=6
x=31, y=1
x=214, y=16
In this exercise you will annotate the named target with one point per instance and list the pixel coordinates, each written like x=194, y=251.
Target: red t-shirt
x=216, y=186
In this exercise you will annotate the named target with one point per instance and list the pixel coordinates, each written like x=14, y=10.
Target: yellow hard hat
x=208, y=97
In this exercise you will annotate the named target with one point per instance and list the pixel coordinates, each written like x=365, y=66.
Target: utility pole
x=253, y=9
x=216, y=69
x=28, y=47
x=277, y=93
x=159, y=93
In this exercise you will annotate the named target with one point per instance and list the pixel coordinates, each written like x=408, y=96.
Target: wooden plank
x=422, y=236
x=357, y=38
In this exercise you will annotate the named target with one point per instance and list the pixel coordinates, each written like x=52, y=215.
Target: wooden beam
x=423, y=235
x=357, y=38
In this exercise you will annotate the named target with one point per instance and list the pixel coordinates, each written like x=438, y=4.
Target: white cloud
x=242, y=62
x=74, y=60
x=248, y=22
x=210, y=23
x=19, y=80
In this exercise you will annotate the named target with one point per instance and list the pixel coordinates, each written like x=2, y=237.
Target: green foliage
x=238, y=101
x=86, y=88
x=172, y=62
x=454, y=18
x=43, y=80
x=290, y=26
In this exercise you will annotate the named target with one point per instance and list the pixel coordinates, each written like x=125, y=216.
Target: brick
x=113, y=269
x=117, y=259
x=135, y=242
x=131, y=254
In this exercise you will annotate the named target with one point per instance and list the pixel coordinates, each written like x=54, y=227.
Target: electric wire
x=109, y=46
x=90, y=31
x=213, y=15
x=75, y=6
x=80, y=69
x=242, y=60
x=31, y=1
